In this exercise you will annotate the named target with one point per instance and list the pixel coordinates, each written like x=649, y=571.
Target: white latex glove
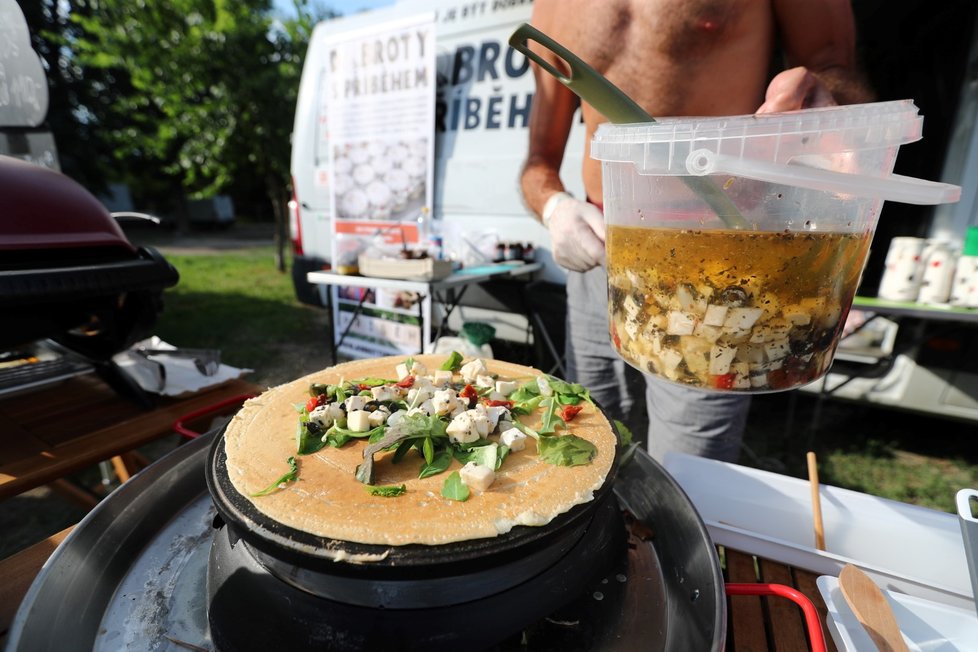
x=576, y=233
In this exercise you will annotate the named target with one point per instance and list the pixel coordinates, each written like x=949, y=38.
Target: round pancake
x=328, y=501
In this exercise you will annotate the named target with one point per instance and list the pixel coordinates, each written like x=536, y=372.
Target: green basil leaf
x=409, y=363
x=338, y=437
x=389, y=491
x=525, y=392
x=291, y=476
x=485, y=455
x=567, y=450
x=501, y=454
x=440, y=463
x=402, y=449
x=428, y=450
x=308, y=435
x=454, y=488
x=454, y=362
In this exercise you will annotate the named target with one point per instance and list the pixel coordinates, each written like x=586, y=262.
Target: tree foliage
x=185, y=96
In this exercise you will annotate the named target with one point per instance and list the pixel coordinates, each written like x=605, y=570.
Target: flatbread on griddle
x=328, y=501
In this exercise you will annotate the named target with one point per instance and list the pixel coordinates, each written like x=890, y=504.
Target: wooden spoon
x=871, y=609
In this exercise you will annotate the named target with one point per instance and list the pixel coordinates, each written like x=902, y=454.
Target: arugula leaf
x=526, y=430
x=454, y=488
x=291, y=476
x=409, y=364
x=550, y=421
x=525, y=392
x=428, y=450
x=372, y=382
x=528, y=406
x=567, y=450
x=389, y=491
x=454, y=362
x=485, y=455
x=438, y=464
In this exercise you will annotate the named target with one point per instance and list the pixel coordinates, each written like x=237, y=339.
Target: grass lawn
x=237, y=302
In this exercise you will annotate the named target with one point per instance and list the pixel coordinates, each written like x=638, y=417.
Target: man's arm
x=819, y=40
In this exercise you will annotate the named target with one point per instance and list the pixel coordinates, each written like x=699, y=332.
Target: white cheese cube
x=507, y=387
x=461, y=430
x=680, y=323
x=396, y=418
x=485, y=380
x=632, y=328
x=358, y=421
x=513, y=438
x=742, y=375
x=325, y=415
x=402, y=371
x=384, y=393
x=631, y=307
x=460, y=407
x=417, y=395
x=471, y=370
x=441, y=378
x=477, y=477
x=428, y=407
x=444, y=401
x=739, y=319
x=720, y=359
x=715, y=315
x=480, y=421
x=423, y=382
x=777, y=349
x=758, y=380
x=418, y=369
x=796, y=315
x=354, y=403
x=670, y=359
x=544, y=386
x=378, y=418
x=494, y=413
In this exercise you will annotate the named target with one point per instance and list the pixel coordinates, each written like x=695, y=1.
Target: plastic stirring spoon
x=871, y=609
x=619, y=108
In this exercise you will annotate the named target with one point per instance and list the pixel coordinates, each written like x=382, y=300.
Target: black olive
x=824, y=338
x=616, y=296
x=314, y=428
x=733, y=296
x=802, y=346
x=371, y=406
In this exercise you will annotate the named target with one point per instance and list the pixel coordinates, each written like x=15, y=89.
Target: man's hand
x=794, y=89
x=577, y=234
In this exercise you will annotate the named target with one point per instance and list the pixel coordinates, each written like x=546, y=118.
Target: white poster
x=374, y=154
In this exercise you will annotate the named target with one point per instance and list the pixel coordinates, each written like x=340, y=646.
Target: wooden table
x=48, y=434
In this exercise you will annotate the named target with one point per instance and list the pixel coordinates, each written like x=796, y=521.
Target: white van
x=483, y=99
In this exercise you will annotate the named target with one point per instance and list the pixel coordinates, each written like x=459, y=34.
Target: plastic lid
x=662, y=147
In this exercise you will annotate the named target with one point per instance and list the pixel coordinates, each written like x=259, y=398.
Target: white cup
x=964, y=289
x=938, y=275
x=903, y=269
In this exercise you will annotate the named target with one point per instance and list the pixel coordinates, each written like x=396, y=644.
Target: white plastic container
x=903, y=547
x=735, y=244
x=938, y=276
x=964, y=289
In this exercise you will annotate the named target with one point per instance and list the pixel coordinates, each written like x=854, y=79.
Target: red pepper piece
x=499, y=403
x=405, y=382
x=722, y=381
x=570, y=411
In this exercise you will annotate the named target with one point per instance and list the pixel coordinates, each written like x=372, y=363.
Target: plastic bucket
x=735, y=244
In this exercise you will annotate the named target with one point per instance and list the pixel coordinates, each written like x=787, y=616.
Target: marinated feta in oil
x=731, y=310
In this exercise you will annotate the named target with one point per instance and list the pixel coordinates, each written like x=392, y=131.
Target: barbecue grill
x=165, y=559
x=69, y=274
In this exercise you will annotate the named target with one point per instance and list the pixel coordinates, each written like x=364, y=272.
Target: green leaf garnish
x=279, y=484
x=454, y=362
x=454, y=488
x=626, y=434
x=567, y=450
x=409, y=364
x=337, y=436
x=550, y=421
x=389, y=491
x=440, y=463
x=308, y=435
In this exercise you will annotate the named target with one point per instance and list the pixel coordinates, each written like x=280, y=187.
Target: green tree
x=210, y=88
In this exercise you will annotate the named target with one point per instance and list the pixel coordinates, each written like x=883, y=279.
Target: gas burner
x=142, y=571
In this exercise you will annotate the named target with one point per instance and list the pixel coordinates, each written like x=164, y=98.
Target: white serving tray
x=903, y=547
x=926, y=626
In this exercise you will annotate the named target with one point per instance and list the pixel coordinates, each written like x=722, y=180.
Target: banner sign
x=374, y=156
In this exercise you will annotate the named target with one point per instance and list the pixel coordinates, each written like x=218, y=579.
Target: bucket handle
x=895, y=187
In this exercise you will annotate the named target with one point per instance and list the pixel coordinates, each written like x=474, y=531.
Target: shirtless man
x=675, y=58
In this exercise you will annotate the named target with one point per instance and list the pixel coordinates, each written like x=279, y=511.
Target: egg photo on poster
x=380, y=180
